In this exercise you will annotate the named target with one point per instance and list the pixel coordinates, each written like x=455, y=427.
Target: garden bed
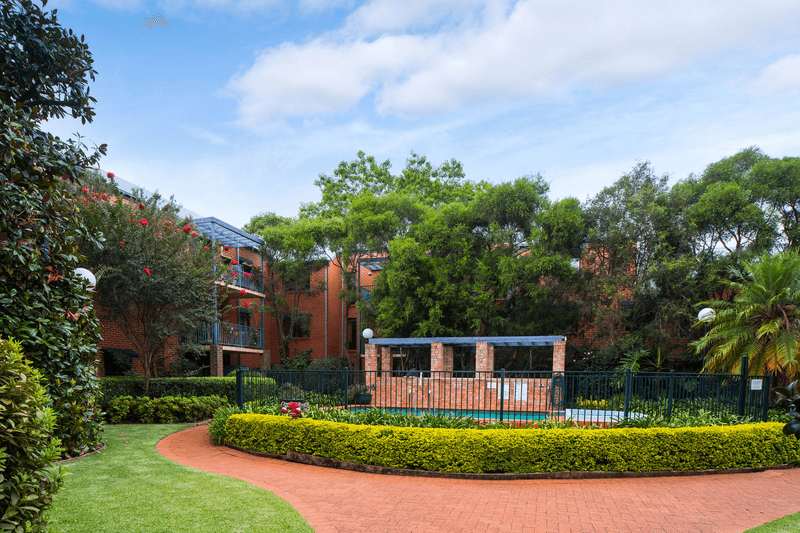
x=519, y=451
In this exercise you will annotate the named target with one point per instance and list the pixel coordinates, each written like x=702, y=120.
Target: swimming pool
x=510, y=416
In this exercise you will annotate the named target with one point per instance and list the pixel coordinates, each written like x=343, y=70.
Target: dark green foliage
x=164, y=410
x=43, y=304
x=788, y=399
x=331, y=363
x=112, y=388
x=27, y=444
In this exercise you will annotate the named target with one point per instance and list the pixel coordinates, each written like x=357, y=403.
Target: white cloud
x=535, y=49
x=203, y=134
x=782, y=76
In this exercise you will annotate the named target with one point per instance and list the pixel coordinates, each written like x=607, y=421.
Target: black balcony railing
x=225, y=334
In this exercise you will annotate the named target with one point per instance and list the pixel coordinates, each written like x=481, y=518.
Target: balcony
x=226, y=334
x=242, y=279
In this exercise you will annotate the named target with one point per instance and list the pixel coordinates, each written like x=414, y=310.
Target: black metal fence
x=591, y=397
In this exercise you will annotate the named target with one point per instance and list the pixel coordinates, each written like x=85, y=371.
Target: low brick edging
x=314, y=460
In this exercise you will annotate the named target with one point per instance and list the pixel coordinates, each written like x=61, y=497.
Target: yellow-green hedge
x=519, y=451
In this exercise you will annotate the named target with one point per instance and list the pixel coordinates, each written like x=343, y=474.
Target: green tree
x=44, y=71
x=781, y=180
x=293, y=250
x=27, y=446
x=762, y=322
x=155, y=273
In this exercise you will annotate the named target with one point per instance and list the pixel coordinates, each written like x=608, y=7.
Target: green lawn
x=130, y=488
x=787, y=524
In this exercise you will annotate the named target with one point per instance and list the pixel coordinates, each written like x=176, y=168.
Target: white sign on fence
x=756, y=384
x=521, y=392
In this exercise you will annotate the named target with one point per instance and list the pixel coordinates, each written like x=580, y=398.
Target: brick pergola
x=442, y=350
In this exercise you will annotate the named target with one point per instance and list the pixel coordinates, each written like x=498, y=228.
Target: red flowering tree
x=154, y=273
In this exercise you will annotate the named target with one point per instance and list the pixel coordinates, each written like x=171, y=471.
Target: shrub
x=166, y=410
x=112, y=388
x=529, y=450
x=27, y=445
x=331, y=363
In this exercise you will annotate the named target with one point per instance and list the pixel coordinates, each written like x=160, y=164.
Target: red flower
x=131, y=220
x=226, y=247
x=205, y=247
x=158, y=235
x=147, y=271
x=247, y=275
x=84, y=200
x=187, y=229
x=169, y=223
x=110, y=175
x=194, y=234
x=247, y=304
x=141, y=206
x=234, y=262
x=104, y=197
x=85, y=190
x=243, y=291
x=97, y=195
x=121, y=243
x=143, y=222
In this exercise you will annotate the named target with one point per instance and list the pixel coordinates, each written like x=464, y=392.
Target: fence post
x=766, y=392
x=628, y=391
x=671, y=392
x=502, y=390
x=346, y=386
x=743, y=385
x=239, y=388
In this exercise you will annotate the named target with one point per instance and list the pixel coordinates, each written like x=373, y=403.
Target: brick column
x=484, y=357
x=559, y=356
x=437, y=364
x=447, y=358
x=371, y=357
x=266, y=359
x=215, y=359
x=386, y=358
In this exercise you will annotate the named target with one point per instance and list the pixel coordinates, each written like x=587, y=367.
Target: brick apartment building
x=242, y=337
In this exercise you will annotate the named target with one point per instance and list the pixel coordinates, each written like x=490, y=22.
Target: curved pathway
x=342, y=501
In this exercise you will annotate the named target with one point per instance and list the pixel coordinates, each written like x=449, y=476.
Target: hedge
x=519, y=451
x=166, y=410
x=112, y=388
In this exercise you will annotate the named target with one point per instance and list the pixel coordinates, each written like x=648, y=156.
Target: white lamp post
x=88, y=276
x=367, y=334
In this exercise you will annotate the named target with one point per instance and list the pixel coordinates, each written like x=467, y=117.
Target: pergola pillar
x=559, y=356
x=215, y=361
x=441, y=357
x=484, y=357
x=386, y=359
x=371, y=357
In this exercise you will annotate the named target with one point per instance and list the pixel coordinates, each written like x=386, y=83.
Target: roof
x=372, y=263
x=224, y=233
x=470, y=341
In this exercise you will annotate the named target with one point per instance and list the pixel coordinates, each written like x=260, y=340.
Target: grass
x=129, y=487
x=787, y=524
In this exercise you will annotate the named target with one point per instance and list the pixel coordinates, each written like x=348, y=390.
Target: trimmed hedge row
x=111, y=388
x=166, y=410
x=519, y=451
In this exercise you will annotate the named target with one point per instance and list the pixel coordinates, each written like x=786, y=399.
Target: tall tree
x=293, y=250
x=44, y=72
x=155, y=273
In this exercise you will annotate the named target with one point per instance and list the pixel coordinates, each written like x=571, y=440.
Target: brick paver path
x=342, y=501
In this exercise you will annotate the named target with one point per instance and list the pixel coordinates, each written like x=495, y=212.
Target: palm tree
x=762, y=322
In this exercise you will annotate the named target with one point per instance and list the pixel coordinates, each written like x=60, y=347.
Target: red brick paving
x=342, y=501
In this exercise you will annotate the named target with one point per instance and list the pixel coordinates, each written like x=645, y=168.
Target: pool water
x=463, y=413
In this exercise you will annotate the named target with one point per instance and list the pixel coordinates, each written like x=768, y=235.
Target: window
x=302, y=326
x=352, y=334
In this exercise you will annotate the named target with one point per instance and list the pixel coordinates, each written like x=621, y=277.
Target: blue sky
x=238, y=106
